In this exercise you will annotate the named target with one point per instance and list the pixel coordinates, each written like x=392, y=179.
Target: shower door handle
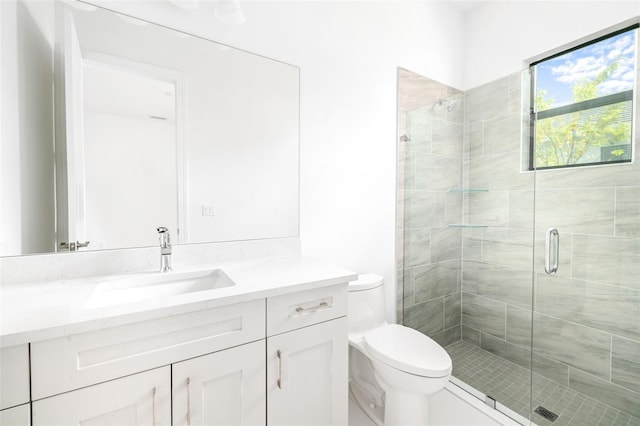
x=551, y=267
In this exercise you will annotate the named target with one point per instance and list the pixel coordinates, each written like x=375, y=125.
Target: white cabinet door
x=139, y=399
x=16, y=416
x=14, y=376
x=222, y=388
x=307, y=375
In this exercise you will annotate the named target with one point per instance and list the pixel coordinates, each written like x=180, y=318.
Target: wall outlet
x=208, y=211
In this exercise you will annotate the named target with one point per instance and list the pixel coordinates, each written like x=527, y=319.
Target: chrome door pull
x=321, y=305
x=280, y=381
x=551, y=267
x=188, y=401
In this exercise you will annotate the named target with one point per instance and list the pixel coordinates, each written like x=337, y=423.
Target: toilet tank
x=366, y=303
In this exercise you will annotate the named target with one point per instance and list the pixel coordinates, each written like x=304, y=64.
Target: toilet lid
x=408, y=350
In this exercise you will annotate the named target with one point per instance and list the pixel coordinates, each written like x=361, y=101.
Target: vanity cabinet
x=307, y=358
x=14, y=380
x=14, y=386
x=277, y=361
x=307, y=376
x=71, y=362
x=139, y=399
x=16, y=416
x=223, y=388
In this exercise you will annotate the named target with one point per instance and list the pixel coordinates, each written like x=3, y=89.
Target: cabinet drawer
x=16, y=416
x=67, y=363
x=140, y=399
x=304, y=308
x=14, y=376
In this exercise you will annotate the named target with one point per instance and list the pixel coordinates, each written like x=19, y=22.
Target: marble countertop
x=44, y=310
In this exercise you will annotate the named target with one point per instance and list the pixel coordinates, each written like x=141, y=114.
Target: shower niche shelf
x=467, y=191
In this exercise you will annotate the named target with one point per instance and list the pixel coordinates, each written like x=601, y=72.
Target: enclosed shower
x=476, y=226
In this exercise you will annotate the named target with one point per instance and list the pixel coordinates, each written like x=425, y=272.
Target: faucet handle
x=162, y=229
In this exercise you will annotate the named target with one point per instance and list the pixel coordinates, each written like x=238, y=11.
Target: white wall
x=26, y=183
x=348, y=53
x=501, y=35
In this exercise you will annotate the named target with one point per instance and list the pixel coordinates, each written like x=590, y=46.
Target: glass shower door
x=586, y=319
x=586, y=313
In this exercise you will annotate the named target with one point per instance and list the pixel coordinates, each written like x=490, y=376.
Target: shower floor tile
x=509, y=384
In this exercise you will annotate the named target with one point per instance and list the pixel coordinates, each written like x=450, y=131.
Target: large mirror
x=112, y=126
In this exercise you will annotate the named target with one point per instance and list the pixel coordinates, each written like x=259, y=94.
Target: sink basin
x=156, y=285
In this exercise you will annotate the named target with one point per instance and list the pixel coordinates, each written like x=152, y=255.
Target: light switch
x=208, y=210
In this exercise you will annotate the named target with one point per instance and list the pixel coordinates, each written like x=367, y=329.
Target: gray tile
x=446, y=138
x=436, y=280
x=453, y=208
x=424, y=209
x=470, y=334
x=508, y=247
x=445, y=244
x=599, y=306
x=426, y=317
x=502, y=133
x=625, y=362
x=486, y=101
x=438, y=173
x=472, y=243
x=452, y=310
x=417, y=247
x=521, y=209
x=628, y=212
x=407, y=170
x=551, y=369
x=406, y=288
x=574, y=345
x=484, y=314
x=418, y=126
x=602, y=390
x=612, y=260
x=508, y=285
x=518, y=83
x=498, y=172
x=488, y=208
x=447, y=336
x=506, y=350
x=519, y=326
x=589, y=177
x=474, y=139
x=588, y=211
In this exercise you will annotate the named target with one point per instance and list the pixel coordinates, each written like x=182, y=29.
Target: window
x=582, y=103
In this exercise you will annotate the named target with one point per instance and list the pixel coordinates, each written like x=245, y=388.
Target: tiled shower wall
x=586, y=329
x=430, y=171
x=474, y=282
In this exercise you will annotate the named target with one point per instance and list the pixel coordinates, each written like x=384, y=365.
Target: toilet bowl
x=393, y=369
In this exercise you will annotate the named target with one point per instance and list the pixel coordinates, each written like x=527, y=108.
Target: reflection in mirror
x=150, y=127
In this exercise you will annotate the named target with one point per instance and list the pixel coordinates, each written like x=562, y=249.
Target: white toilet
x=393, y=369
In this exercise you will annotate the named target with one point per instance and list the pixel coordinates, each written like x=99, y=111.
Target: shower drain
x=547, y=414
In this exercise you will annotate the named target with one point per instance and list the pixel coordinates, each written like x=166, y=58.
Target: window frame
x=627, y=95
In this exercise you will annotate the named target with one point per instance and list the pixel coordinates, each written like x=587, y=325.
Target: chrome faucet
x=165, y=249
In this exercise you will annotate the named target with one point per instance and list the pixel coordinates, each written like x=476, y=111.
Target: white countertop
x=44, y=310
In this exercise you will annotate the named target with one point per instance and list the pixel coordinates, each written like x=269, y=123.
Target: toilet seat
x=408, y=350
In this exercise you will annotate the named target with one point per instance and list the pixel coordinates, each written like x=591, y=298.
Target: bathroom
x=348, y=54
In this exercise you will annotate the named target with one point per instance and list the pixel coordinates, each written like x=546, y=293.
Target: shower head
x=446, y=104
x=453, y=105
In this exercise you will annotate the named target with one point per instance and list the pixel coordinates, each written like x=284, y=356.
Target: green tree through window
x=583, y=104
